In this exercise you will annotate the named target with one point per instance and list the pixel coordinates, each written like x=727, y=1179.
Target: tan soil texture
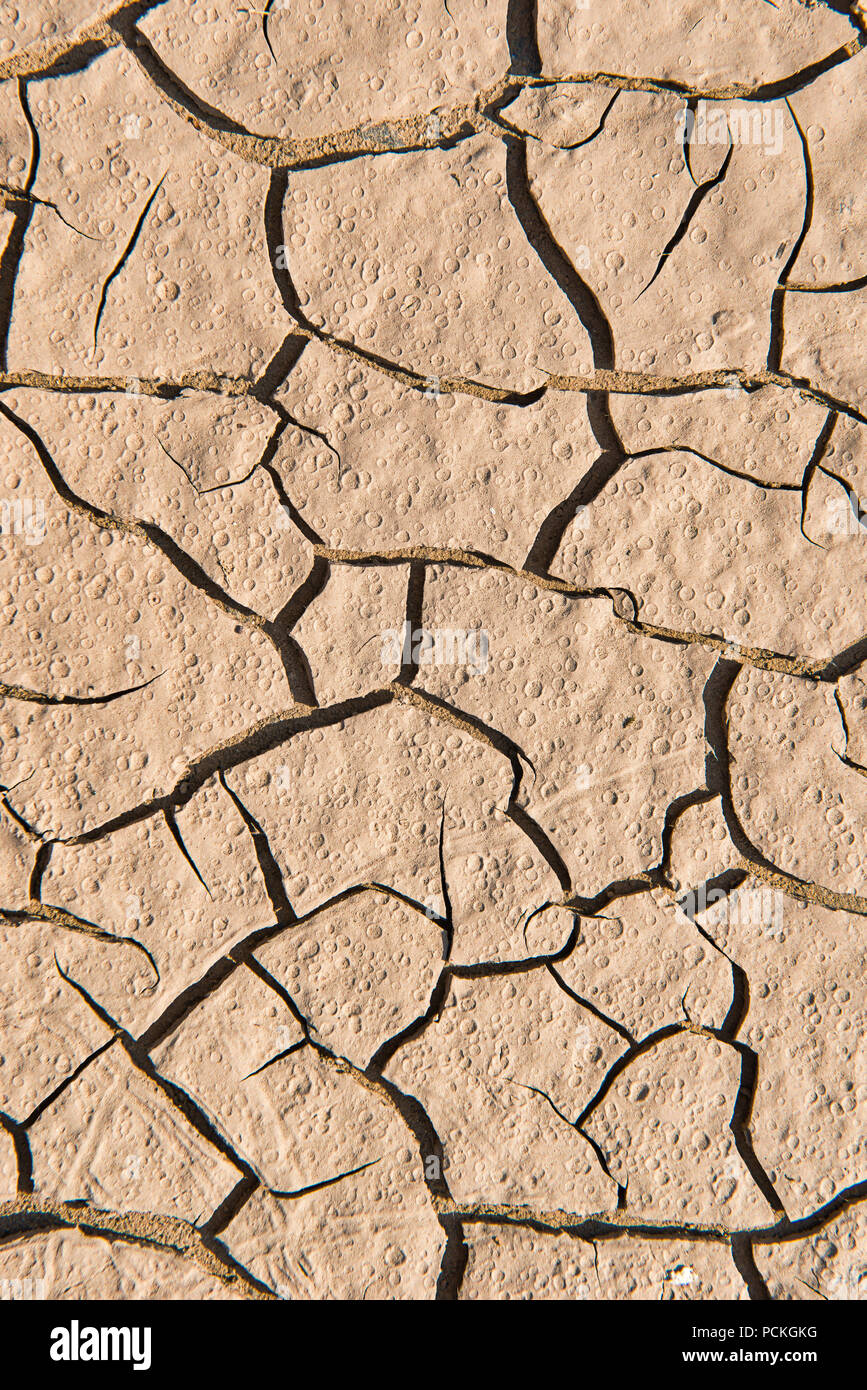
x=433, y=686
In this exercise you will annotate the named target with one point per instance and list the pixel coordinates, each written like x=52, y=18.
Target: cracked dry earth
x=521, y=959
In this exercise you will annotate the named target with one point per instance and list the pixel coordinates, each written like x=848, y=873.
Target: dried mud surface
x=433, y=702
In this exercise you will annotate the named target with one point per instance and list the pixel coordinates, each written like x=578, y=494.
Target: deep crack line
x=715, y=697
x=778, y=298
x=10, y=259
x=38, y=697
x=49, y=915
x=272, y=874
x=525, y=60
x=505, y=125
x=741, y=1116
x=818, y=454
x=288, y=650
x=28, y=1214
x=555, y=261
x=181, y=1100
x=625, y=606
x=124, y=257
x=702, y=191
x=605, y=1225
x=10, y=198
x=618, y=382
